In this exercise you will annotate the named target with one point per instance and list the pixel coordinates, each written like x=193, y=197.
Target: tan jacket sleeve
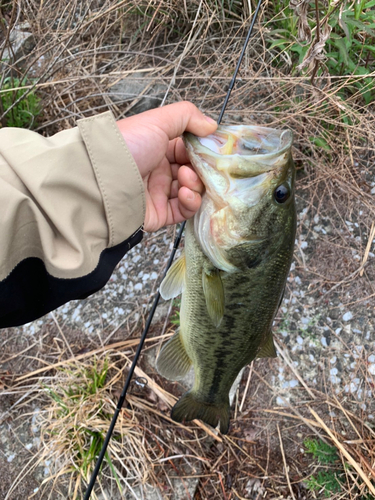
x=66, y=200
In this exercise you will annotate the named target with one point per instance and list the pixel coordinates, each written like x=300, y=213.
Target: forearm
x=70, y=207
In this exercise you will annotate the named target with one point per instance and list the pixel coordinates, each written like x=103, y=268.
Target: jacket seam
x=133, y=164
x=130, y=159
x=99, y=177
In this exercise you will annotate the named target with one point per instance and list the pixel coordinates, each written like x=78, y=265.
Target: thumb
x=175, y=119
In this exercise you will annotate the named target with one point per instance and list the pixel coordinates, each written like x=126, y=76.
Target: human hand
x=173, y=190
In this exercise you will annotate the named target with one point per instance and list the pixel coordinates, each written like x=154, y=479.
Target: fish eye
x=281, y=193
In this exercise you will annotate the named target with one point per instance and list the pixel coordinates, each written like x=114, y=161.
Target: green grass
x=24, y=114
x=74, y=423
x=78, y=411
x=69, y=399
x=175, y=316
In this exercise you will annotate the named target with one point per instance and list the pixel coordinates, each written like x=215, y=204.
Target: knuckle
x=189, y=106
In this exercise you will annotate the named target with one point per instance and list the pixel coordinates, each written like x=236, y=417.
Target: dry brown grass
x=263, y=455
x=84, y=48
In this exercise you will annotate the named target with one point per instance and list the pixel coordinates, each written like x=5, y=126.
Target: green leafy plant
x=324, y=453
x=325, y=480
x=28, y=105
x=349, y=41
x=332, y=478
x=330, y=481
x=175, y=317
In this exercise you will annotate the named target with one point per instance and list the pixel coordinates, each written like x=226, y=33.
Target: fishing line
x=157, y=297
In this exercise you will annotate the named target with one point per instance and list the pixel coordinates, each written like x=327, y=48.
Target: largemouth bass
x=232, y=274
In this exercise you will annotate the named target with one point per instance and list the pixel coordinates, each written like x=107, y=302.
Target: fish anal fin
x=173, y=283
x=268, y=349
x=190, y=407
x=213, y=290
x=173, y=361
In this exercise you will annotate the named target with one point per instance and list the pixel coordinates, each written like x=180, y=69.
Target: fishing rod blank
x=157, y=297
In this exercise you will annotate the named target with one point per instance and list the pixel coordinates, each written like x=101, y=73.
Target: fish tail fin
x=190, y=407
x=173, y=361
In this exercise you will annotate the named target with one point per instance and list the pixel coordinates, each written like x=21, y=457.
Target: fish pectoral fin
x=213, y=290
x=190, y=407
x=173, y=361
x=173, y=283
x=268, y=349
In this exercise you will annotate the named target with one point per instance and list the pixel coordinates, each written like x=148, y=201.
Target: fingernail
x=194, y=176
x=210, y=120
x=191, y=196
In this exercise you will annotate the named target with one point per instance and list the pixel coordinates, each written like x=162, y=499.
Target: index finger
x=179, y=117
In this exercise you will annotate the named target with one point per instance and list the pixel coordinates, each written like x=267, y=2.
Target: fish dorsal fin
x=214, y=294
x=173, y=283
x=173, y=361
x=268, y=349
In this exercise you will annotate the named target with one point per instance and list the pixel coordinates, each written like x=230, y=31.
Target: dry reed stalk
x=285, y=464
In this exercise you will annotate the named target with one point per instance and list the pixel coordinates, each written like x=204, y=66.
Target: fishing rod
x=157, y=297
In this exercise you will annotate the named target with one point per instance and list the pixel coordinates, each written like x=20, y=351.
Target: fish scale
x=233, y=273
x=236, y=342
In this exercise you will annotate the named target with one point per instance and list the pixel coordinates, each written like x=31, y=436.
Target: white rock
x=281, y=401
x=347, y=316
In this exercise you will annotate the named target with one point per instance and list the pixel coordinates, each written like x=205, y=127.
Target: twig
x=117, y=345
x=285, y=464
x=61, y=333
x=368, y=247
x=247, y=386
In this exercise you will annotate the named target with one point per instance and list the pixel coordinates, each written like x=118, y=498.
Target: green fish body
x=232, y=274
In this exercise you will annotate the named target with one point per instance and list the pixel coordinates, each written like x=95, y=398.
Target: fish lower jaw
x=216, y=255
x=213, y=247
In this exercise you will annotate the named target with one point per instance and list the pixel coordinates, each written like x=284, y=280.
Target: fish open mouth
x=239, y=166
x=240, y=151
